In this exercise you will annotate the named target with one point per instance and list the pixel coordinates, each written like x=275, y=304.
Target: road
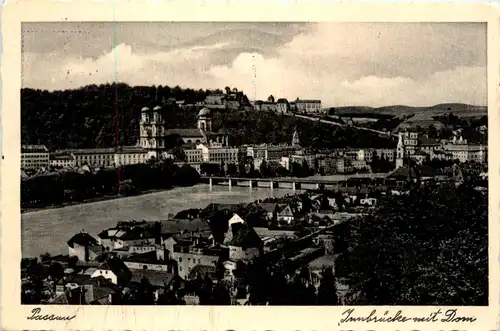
x=315, y=119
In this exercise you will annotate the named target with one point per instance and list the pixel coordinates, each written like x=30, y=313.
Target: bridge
x=295, y=183
x=317, y=119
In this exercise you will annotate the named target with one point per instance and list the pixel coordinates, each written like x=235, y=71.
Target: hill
x=458, y=109
x=108, y=115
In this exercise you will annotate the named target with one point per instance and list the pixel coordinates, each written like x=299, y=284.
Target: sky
x=343, y=64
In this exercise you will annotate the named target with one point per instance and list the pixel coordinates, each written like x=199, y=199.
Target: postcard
x=249, y=166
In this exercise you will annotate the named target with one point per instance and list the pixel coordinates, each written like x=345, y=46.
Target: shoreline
x=119, y=196
x=97, y=199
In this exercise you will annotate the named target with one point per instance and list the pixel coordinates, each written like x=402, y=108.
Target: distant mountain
x=401, y=110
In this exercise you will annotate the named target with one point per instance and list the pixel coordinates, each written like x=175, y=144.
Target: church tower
x=152, y=131
x=295, y=139
x=205, y=120
x=400, y=152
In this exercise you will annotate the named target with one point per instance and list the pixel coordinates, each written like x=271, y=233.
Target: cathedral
x=153, y=132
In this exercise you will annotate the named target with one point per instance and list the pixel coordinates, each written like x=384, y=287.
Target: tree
x=142, y=294
x=327, y=291
x=45, y=257
x=264, y=169
x=56, y=271
x=296, y=169
x=221, y=295
x=305, y=169
x=210, y=169
x=232, y=170
x=425, y=248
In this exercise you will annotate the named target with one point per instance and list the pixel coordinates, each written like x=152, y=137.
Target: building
x=385, y=153
x=271, y=152
x=344, y=165
x=152, y=131
x=95, y=157
x=265, y=106
x=62, y=160
x=462, y=151
x=161, y=281
x=400, y=151
x=84, y=247
x=216, y=100
x=152, y=260
x=191, y=252
x=427, y=144
x=193, y=155
x=308, y=106
x=285, y=215
x=243, y=242
x=218, y=154
x=126, y=235
x=419, y=156
x=410, y=141
x=115, y=270
x=130, y=155
x=282, y=106
x=295, y=139
x=34, y=157
x=203, y=133
x=271, y=210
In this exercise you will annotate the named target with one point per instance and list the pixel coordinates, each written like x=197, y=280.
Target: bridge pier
x=273, y=185
x=210, y=184
x=295, y=186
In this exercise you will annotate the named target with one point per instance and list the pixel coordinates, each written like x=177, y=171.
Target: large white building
x=461, y=150
x=308, y=106
x=34, y=157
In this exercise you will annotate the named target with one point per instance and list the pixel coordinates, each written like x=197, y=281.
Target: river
x=49, y=230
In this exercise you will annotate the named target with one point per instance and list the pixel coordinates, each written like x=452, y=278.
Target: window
x=180, y=259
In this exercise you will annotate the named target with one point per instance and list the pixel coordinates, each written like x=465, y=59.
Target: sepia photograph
x=254, y=163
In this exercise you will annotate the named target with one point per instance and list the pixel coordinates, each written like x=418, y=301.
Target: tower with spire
x=400, y=152
x=295, y=139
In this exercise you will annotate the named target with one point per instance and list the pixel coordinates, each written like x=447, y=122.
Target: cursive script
x=449, y=315
x=38, y=316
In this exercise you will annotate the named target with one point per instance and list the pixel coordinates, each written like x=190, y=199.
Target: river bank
x=120, y=196
x=87, y=201
x=48, y=230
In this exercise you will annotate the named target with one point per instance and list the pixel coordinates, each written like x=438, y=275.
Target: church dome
x=204, y=112
x=157, y=108
x=145, y=109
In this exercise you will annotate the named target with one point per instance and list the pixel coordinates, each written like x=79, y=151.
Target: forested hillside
x=91, y=116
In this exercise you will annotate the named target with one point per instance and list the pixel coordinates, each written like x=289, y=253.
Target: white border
x=218, y=318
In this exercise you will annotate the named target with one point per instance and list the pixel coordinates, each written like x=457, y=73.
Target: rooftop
x=323, y=261
x=34, y=149
x=148, y=257
x=244, y=236
x=203, y=270
x=184, y=132
x=307, y=101
x=82, y=239
x=155, y=278
x=268, y=206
